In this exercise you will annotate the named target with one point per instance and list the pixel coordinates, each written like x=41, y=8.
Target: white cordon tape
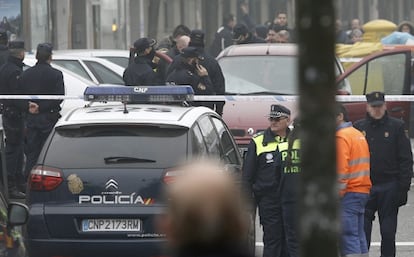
x=227, y=98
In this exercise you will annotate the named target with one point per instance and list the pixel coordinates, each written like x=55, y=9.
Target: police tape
x=227, y=98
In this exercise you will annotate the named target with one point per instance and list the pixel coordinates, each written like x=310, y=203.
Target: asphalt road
x=405, y=232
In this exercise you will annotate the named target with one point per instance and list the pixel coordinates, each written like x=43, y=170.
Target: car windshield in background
x=116, y=146
x=270, y=75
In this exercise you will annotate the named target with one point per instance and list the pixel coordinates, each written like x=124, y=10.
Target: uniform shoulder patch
x=258, y=134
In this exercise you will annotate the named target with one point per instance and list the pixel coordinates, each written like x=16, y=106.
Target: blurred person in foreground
x=352, y=166
x=206, y=215
x=391, y=169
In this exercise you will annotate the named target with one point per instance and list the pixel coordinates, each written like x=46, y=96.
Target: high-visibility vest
x=352, y=161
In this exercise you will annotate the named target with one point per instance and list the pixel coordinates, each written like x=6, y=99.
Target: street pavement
x=404, y=238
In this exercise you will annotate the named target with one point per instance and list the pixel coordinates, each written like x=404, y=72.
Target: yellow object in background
x=377, y=29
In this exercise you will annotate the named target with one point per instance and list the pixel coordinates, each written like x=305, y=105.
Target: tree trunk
x=154, y=10
x=319, y=224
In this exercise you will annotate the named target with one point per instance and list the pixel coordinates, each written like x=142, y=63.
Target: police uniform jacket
x=43, y=79
x=390, y=149
x=140, y=73
x=9, y=75
x=259, y=174
x=214, y=71
x=289, y=174
x=185, y=74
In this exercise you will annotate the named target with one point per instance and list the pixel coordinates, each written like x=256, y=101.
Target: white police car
x=98, y=184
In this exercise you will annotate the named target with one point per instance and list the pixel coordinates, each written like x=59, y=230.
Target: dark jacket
x=390, y=148
x=43, y=79
x=9, y=75
x=185, y=74
x=141, y=73
x=289, y=174
x=222, y=39
x=259, y=168
x=4, y=53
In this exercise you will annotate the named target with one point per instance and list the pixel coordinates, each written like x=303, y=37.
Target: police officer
x=210, y=63
x=288, y=168
x=42, y=115
x=4, y=50
x=260, y=179
x=391, y=169
x=140, y=71
x=13, y=118
x=189, y=72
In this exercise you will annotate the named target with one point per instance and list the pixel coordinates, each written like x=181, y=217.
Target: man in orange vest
x=352, y=165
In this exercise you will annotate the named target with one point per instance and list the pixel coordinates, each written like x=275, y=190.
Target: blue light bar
x=146, y=94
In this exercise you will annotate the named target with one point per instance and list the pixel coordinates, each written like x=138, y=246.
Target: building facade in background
x=117, y=23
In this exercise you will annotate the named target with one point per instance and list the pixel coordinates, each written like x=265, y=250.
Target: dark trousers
x=290, y=222
x=383, y=199
x=39, y=127
x=270, y=215
x=14, y=132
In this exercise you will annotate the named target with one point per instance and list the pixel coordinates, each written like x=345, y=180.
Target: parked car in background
x=104, y=199
x=271, y=69
x=97, y=70
x=119, y=57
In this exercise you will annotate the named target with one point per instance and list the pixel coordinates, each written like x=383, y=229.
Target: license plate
x=93, y=225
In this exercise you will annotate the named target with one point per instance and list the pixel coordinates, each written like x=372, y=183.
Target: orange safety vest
x=352, y=161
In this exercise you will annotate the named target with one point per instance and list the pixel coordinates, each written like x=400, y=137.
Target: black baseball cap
x=44, y=48
x=143, y=43
x=190, y=52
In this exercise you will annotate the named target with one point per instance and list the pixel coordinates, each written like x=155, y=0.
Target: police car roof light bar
x=139, y=94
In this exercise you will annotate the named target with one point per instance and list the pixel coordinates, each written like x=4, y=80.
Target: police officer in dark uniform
x=4, y=50
x=42, y=115
x=261, y=182
x=140, y=71
x=391, y=169
x=210, y=63
x=13, y=118
x=242, y=35
x=189, y=72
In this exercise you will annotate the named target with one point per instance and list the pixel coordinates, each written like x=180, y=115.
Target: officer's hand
x=201, y=71
x=402, y=196
x=33, y=108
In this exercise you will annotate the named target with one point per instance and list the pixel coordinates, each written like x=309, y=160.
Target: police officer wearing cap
x=190, y=72
x=261, y=181
x=42, y=115
x=391, y=169
x=12, y=115
x=140, y=71
x=4, y=50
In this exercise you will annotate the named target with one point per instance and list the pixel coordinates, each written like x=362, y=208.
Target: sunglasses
x=277, y=119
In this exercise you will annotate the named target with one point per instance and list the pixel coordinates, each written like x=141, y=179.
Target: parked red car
x=271, y=69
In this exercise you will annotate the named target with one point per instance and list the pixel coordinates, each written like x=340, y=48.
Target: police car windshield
x=97, y=146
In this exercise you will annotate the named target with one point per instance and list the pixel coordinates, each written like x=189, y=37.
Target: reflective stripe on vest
x=270, y=147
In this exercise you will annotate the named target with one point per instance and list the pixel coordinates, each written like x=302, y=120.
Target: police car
x=98, y=185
